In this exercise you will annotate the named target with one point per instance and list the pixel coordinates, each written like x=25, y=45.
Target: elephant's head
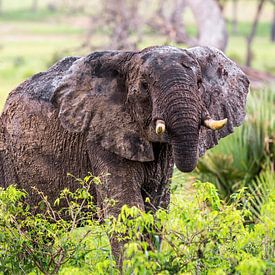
x=126, y=101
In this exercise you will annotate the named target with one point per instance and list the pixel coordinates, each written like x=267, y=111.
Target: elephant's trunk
x=181, y=114
x=183, y=130
x=185, y=149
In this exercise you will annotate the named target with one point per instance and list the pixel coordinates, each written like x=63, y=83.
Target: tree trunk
x=210, y=21
x=172, y=25
x=221, y=4
x=251, y=36
x=273, y=24
x=234, y=16
x=34, y=5
x=176, y=20
x=123, y=15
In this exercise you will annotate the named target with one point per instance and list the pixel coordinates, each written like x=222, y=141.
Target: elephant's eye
x=144, y=85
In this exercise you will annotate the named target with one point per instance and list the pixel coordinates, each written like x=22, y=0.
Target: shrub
x=200, y=234
x=52, y=239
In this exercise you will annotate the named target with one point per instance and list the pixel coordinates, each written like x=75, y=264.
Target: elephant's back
x=41, y=86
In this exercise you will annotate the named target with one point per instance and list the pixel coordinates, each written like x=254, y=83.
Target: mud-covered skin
x=97, y=114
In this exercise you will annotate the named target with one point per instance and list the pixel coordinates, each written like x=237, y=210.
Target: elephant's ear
x=224, y=89
x=91, y=98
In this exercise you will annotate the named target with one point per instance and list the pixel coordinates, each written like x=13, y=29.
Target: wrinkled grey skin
x=97, y=113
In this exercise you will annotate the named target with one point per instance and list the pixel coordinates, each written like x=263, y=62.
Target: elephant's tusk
x=214, y=124
x=160, y=127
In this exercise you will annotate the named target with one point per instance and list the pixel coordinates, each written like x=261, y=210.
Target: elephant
x=130, y=115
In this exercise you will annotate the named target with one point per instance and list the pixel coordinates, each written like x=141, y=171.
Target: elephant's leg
x=158, y=197
x=157, y=180
x=2, y=171
x=2, y=152
x=7, y=171
x=122, y=189
x=157, y=184
x=121, y=182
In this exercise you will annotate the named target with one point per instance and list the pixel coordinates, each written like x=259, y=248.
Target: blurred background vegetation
x=35, y=33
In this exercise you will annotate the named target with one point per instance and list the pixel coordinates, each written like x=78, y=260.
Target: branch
x=252, y=33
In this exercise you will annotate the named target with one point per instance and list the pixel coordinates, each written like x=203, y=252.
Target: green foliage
x=51, y=239
x=27, y=14
x=244, y=29
x=260, y=189
x=200, y=234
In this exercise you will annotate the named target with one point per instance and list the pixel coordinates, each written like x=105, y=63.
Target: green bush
x=200, y=235
x=47, y=241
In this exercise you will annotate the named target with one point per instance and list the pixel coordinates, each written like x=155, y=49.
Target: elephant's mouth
x=184, y=143
x=184, y=140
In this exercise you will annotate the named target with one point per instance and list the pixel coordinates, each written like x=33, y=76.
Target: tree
x=251, y=36
x=273, y=22
x=122, y=20
x=122, y=16
x=234, y=16
x=34, y=5
x=221, y=4
x=208, y=16
x=170, y=24
x=210, y=22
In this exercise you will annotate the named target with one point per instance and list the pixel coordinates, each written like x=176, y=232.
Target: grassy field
x=31, y=42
